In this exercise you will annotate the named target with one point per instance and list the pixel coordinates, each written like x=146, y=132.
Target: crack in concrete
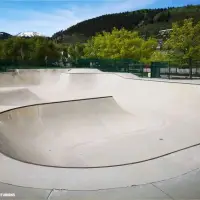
x=186, y=173
x=49, y=196
x=163, y=191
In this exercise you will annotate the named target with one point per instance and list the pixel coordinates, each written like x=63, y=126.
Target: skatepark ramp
x=28, y=77
x=17, y=97
x=93, y=135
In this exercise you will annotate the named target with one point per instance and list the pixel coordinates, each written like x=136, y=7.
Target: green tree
x=30, y=51
x=1, y=49
x=44, y=51
x=158, y=56
x=75, y=51
x=14, y=49
x=120, y=44
x=184, y=42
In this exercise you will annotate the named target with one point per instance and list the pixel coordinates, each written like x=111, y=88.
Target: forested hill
x=147, y=21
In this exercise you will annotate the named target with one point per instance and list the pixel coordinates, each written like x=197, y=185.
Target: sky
x=50, y=16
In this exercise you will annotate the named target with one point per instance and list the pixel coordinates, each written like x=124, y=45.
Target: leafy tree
x=15, y=49
x=1, y=49
x=45, y=52
x=120, y=44
x=75, y=51
x=158, y=56
x=184, y=42
x=29, y=51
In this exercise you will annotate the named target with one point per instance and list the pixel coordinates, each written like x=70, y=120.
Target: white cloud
x=58, y=19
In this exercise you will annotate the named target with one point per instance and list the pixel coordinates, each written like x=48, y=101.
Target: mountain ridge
x=29, y=34
x=148, y=22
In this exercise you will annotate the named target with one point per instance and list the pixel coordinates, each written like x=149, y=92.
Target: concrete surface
x=18, y=96
x=84, y=134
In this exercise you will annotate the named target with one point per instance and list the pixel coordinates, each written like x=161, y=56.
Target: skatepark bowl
x=83, y=134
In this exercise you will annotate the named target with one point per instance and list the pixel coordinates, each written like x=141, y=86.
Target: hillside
x=4, y=35
x=147, y=21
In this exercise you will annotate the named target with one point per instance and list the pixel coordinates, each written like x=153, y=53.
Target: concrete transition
x=84, y=134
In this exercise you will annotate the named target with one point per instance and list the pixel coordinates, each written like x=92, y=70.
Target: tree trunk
x=22, y=53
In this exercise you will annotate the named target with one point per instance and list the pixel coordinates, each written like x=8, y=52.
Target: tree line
x=183, y=44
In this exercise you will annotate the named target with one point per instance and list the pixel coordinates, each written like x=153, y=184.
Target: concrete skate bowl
x=82, y=133
x=17, y=97
x=23, y=77
x=141, y=142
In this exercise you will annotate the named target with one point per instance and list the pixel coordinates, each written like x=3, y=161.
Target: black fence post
x=142, y=70
x=196, y=70
x=169, y=76
x=190, y=67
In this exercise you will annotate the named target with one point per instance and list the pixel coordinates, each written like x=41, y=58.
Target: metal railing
x=171, y=70
x=155, y=70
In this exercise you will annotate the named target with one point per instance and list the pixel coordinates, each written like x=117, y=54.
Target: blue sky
x=50, y=16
